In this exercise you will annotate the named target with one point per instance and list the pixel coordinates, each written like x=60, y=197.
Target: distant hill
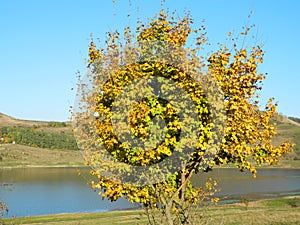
x=59, y=134
x=289, y=120
x=8, y=121
x=294, y=119
x=51, y=135
x=288, y=129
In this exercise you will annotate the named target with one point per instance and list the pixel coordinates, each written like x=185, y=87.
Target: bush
x=37, y=138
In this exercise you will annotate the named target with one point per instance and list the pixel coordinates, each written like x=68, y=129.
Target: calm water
x=37, y=191
x=268, y=183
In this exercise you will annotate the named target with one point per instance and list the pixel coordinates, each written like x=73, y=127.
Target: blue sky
x=44, y=42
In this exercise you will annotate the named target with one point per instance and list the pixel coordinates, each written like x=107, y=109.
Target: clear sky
x=44, y=42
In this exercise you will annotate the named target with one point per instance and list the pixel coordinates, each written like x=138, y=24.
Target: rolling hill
x=8, y=121
x=37, y=143
x=58, y=136
x=52, y=135
x=288, y=129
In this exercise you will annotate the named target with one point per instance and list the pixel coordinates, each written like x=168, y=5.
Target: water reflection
x=269, y=183
x=37, y=191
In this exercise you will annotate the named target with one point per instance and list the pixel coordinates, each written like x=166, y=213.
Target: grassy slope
x=8, y=121
x=289, y=130
x=18, y=155
x=278, y=211
x=14, y=155
x=22, y=156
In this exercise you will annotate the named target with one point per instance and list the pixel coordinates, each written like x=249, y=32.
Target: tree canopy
x=132, y=93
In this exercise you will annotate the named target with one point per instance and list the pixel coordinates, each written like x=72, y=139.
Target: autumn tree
x=151, y=113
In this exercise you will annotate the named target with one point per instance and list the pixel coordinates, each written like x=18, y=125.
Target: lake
x=38, y=191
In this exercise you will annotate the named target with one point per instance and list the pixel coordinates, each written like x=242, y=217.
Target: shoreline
x=82, y=166
x=43, y=166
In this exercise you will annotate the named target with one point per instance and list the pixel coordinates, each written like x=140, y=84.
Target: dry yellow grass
x=13, y=155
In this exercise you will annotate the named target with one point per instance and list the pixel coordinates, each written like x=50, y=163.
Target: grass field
x=285, y=211
x=13, y=155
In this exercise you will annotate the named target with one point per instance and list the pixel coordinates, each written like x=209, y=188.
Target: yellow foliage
x=249, y=130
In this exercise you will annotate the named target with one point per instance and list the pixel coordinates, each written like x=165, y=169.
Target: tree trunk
x=183, y=183
x=169, y=214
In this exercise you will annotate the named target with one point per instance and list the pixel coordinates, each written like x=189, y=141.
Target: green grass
x=278, y=211
x=109, y=218
x=284, y=202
